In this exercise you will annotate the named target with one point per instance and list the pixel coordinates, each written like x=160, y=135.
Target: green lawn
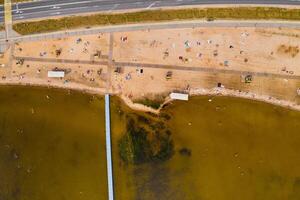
x=156, y=15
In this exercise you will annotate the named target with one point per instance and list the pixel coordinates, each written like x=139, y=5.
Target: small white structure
x=56, y=74
x=298, y=91
x=179, y=96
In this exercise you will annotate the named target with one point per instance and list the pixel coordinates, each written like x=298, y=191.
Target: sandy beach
x=134, y=65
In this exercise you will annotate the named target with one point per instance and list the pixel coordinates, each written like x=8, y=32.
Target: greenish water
x=231, y=149
x=51, y=147
x=238, y=149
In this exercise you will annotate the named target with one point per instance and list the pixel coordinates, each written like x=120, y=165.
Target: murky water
x=238, y=149
x=52, y=145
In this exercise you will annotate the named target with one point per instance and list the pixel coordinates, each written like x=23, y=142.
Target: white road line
x=56, y=13
x=56, y=5
x=114, y=7
x=152, y=4
x=61, y=11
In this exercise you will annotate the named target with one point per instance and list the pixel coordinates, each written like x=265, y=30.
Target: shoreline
x=140, y=107
x=58, y=85
x=246, y=95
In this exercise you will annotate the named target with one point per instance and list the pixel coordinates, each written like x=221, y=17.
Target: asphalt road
x=50, y=8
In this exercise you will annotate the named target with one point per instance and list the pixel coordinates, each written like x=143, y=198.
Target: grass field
x=49, y=25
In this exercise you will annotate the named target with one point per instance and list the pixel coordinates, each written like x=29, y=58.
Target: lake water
x=239, y=149
x=52, y=146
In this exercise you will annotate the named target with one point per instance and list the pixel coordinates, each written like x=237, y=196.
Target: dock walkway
x=108, y=149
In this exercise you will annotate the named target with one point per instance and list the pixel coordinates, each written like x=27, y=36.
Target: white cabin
x=56, y=74
x=179, y=96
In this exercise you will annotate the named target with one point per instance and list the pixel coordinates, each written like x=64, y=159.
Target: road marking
x=56, y=13
x=19, y=11
x=56, y=5
x=152, y=4
x=114, y=7
x=61, y=11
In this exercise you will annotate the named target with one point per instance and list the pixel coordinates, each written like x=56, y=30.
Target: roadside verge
x=240, y=13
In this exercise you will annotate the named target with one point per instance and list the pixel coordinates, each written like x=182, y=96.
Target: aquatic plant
x=152, y=103
x=185, y=151
x=145, y=140
x=165, y=116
